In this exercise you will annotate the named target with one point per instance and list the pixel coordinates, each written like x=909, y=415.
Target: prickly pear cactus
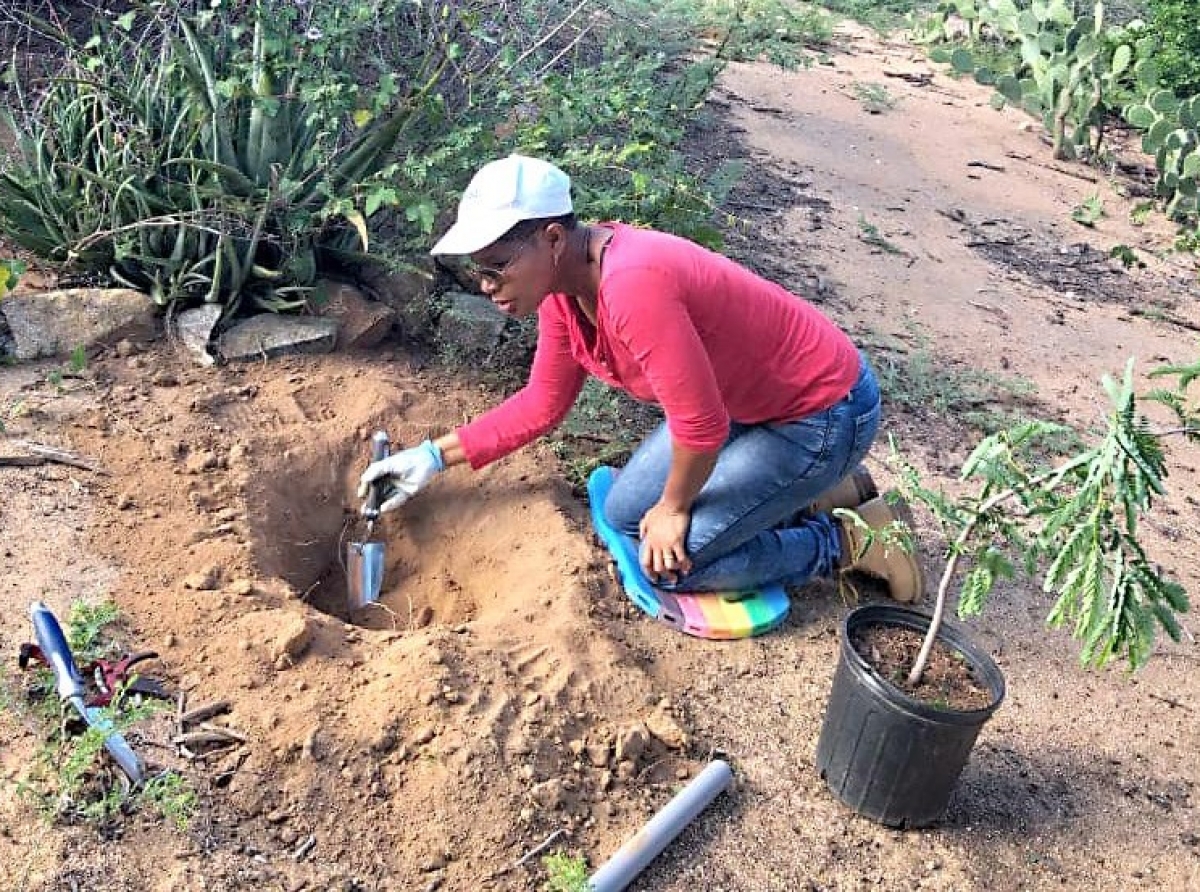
x=1069, y=67
x=1171, y=133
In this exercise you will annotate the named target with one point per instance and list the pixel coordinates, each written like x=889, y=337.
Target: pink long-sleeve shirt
x=684, y=327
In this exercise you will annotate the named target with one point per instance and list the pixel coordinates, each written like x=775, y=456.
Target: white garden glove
x=402, y=474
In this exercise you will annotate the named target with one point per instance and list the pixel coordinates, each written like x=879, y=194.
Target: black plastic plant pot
x=888, y=756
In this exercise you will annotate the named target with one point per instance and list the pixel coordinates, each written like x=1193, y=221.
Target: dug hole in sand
x=475, y=700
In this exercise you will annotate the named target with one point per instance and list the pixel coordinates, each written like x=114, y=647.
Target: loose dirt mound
x=473, y=709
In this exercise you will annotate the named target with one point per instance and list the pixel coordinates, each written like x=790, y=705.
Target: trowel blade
x=364, y=573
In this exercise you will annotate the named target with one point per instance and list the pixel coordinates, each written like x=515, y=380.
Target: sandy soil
x=505, y=690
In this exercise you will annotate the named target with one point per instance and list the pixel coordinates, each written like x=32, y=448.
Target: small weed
x=1154, y=314
x=565, y=873
x=1141, y=212
x=870, y=234
x=172, y=797
x=10, y=272
x=84, y=625
x=1090, y=212
x=1127, y=256
x=875, y=98
x=14, y=410
x=1188, y=242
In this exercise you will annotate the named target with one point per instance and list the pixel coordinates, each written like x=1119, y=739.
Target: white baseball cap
x=502, y=194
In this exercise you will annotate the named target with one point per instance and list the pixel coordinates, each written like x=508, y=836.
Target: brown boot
x=899, y=569
x=849, y=492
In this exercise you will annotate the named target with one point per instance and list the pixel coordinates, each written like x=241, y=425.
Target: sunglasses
x=496, y=274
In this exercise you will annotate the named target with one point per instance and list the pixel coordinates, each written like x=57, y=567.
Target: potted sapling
x=911, y=692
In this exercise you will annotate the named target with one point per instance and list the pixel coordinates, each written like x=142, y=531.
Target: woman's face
x=516, y=274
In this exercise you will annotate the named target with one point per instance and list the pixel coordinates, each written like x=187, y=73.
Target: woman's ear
x=556, y=237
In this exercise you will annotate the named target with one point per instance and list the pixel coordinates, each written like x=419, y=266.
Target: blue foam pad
x=716, y=615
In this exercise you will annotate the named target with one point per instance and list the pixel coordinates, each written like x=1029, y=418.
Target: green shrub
x=225, y=153
x=1177, y=24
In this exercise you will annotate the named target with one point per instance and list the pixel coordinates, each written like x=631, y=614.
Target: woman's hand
x=663, y=553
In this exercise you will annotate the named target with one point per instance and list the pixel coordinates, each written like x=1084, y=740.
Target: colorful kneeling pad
x=717, y=615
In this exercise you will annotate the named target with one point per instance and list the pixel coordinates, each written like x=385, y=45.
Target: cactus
x=1072, y=71
x=1068, y=69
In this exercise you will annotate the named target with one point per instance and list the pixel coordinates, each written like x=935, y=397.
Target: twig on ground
x=1079, y=175
x=57, y=456
x=541, y=847
x=21, y=461
x=200, y=713
x=919, y=78
x=532, y=853
x=1169, y=318
x=1171, y=702
x=305, y=847
x=202, y=738
x=224, y=731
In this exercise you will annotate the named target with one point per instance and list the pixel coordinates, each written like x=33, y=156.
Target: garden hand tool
x=110, y=678
x=365, y=559
x=57, y=653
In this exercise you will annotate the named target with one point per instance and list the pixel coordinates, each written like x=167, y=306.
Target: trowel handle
x=380, y=446
x=53, y=643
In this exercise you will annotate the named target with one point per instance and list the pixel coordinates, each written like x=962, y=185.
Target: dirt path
x=508, y=691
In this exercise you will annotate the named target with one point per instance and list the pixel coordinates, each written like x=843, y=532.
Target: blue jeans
x=765, y=474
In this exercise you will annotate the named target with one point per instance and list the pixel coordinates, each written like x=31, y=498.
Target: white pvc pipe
x=631, y=859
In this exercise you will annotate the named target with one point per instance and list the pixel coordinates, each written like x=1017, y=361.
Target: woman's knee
x=624, y=508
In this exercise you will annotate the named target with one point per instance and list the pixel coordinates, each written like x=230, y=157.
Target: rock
x=663, y=726
x=407, y=292
x=295, y=633
x=362, y=323
x=204, y=580
x=241, y=587
x=53, y=323
x=198, y=462
x=268, y=335
x=550, y=794
x=194, y=329
x=631, y=742
x=597, y=754
x=471, y=323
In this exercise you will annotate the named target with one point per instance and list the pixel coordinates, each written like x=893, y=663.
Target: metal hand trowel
x=365, y=560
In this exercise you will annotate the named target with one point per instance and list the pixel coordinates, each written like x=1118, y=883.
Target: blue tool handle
x=53, y=642
x=380, y=446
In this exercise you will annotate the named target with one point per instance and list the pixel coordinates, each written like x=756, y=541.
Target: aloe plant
x=184, y=160
x=1074, y=523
